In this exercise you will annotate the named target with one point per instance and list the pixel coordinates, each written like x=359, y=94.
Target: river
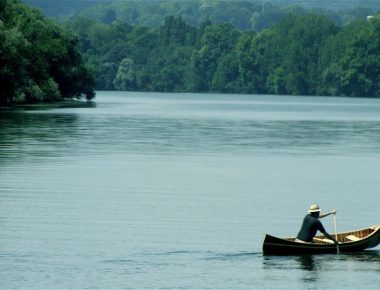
x=171, y=191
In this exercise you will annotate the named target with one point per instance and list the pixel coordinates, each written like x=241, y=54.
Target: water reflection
x=307, y=263
x=316, y=262
x=370, y=256
x=32, y=134
x=313, y=267
x=116, y=128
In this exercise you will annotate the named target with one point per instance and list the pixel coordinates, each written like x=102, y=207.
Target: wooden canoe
x=354, y=241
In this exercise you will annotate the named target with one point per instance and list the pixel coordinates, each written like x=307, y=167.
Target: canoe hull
x=277, y=246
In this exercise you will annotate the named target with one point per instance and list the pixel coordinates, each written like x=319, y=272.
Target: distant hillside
x=333, y=5
x=140, y=11
x=242, y=14
x=61, y=8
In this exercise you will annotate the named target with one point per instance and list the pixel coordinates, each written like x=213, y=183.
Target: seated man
x=311, y=225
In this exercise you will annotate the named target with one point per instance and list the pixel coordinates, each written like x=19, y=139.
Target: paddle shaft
x=336, y=235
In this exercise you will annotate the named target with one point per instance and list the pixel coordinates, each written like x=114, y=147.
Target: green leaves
x=126, y=76
x=356, y=63
x=38, y=59
x=303, y=55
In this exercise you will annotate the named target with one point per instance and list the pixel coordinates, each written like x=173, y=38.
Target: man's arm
x=327, y=214
x=327, y=235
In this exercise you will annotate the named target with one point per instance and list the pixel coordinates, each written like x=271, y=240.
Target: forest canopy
x=280, y=51
x=39, y=59
x=242, y=14
x=304, y=54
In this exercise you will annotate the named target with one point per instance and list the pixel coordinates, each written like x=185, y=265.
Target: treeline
x=39, y=60
x=61, y=9
x=242, y=14
x=337, y=5
x=302, y=55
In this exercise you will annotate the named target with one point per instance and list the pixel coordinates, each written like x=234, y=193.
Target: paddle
x=336, y=235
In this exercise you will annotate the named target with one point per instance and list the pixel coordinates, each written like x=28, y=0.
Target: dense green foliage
x=61, y=8
x=242, y=14
x=302, y=55
x=39, y=60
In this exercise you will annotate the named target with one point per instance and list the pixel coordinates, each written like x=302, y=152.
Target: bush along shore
x=39, y=59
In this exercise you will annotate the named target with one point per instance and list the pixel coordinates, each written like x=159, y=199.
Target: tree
x=216, y=41
x=170, y=69
x=299, y=41
x=351, y=60
x=255, y=60
x=360, y=66
x=38, y=58
x=226, y=77
x=126, y=76
x=109, y=16
x=175, y=30
x=13, y=65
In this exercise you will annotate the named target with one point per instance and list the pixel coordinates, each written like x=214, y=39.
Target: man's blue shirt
x=309, y=228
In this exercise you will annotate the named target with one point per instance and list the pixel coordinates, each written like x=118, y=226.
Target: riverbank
x=69, y=103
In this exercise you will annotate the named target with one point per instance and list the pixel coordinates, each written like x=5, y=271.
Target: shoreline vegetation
x=39, y=59
x=301, y=52
x=64, y=103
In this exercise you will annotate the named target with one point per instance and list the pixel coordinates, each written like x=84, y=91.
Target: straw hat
x=314, y=208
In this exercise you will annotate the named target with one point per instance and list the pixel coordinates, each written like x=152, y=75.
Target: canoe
x=354, y=241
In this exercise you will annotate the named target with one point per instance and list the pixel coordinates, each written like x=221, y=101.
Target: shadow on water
x=203, y=255
x=70, y=104
x=33, y=134
x=371, y=256
x=307, y=263
x=311, y=267
x=317, y=262
x=233, y=256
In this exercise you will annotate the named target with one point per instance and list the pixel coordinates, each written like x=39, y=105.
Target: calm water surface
x=142, y=191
